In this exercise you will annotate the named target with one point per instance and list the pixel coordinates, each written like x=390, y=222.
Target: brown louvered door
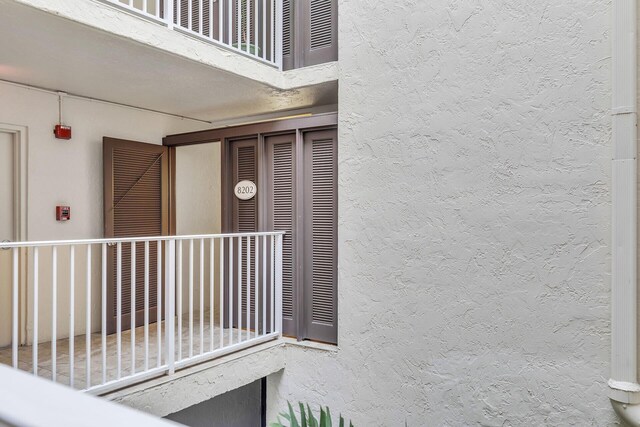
x=320, y=236
x=309, y=33
x=320, y=31
x=281, y=190
x=136, y=204
x=244, y=220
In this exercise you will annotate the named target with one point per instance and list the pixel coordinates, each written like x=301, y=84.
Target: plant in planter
x=307, y=419
x=246, y=45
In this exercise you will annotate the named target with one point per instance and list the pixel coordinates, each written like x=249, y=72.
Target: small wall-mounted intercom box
x=63, y=213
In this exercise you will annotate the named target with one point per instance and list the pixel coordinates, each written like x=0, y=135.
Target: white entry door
x=7, y=232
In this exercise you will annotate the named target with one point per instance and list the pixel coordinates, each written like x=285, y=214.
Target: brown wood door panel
x=244, y=219
x=136, y=204
x=299, y=197
x=310, y=32
x=288, y=34
x=281, y=216
x=319, y=36
x=320, y=236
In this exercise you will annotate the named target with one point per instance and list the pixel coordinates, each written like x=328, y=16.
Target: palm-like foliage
x=307, y=419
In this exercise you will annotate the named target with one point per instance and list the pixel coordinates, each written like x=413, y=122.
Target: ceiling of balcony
x=41, y=49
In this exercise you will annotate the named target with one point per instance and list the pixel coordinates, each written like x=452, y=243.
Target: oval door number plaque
x=245, y=190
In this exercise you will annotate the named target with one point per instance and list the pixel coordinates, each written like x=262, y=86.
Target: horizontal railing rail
x=9, y=245
x=62, y=407
x=249, y=27
x=100, y=314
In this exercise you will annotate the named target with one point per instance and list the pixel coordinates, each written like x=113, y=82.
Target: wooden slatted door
x=288, y=38
x=320, y=38
x=309, y=32
x=320, y=236
x=244, y=220
x=281, y=190
x=302, y=202
x=136, y=204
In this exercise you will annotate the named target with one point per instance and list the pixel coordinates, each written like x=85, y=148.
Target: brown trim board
x=270, y=127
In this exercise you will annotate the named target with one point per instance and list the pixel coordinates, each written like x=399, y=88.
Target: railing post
x=168, y=13
x=278, y=38
x=14, y=310
x=278, y=284
x=169, y=298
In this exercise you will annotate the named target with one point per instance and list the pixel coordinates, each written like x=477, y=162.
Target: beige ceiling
x=41, y=49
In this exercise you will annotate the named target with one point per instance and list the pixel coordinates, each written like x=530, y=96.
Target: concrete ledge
x=166, y=395
x=292, y=342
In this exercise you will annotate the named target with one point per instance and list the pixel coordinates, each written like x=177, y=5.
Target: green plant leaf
x=303, y=416
x=313, y=422
x=350, y=424
x=293, y=420
x=323, y=418
x=341, y=421
x=328, y=417
x=285, y=416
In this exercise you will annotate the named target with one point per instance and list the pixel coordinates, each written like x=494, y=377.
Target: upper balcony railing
x=249, y=27
x=85, y=313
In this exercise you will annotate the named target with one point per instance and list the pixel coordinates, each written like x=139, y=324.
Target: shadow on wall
x=236, y=408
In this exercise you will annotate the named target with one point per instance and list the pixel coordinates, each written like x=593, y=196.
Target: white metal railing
x=250, y=27
x=213, y=295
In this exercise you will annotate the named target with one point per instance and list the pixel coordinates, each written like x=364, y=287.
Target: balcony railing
x=87, y=314
x=249, y=27
x=35, y=402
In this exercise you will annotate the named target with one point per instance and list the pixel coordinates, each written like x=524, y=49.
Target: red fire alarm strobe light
x=63, y=213
x=62, y=132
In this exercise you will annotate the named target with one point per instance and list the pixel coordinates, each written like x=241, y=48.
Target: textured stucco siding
x=474, y=217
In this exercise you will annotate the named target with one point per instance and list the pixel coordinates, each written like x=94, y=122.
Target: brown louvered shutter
x=135, y=205
x=281, y=217
x=244, y=218
x=288, y=12
x=320, y=236
x=320, y=38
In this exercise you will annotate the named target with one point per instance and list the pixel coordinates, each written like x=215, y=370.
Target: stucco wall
x=70, y=173
x=198, y=197
x=474, y=199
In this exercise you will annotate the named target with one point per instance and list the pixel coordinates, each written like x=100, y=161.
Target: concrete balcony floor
x=63, y=359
